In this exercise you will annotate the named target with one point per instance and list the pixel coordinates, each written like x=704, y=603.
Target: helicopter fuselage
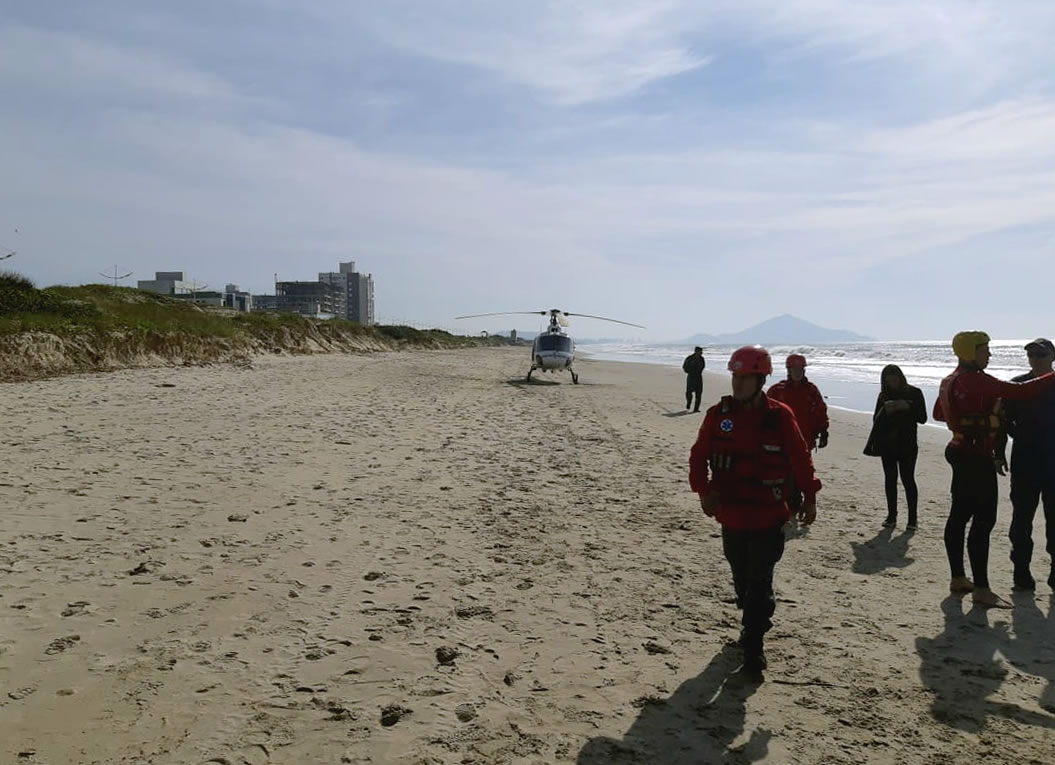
x=552, y=351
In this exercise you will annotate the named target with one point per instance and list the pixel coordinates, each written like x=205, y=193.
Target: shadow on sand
x=697, y=724
x=1033, y=648
x=668, y=412
x=881, y=552
x=520, y=382
x=962, y=668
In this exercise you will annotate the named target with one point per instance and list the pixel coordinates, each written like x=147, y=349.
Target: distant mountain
x=780, y=330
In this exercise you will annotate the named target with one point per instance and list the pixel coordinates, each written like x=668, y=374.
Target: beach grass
x=98, y=309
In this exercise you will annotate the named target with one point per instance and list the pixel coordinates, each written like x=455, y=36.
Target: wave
x=848, y=373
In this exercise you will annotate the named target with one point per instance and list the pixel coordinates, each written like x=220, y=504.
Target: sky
x=884, y=166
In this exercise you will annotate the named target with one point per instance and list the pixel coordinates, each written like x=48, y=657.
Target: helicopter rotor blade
x=503, y=313
x=604, y=318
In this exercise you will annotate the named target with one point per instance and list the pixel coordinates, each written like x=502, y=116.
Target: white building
x=166, y=283
x=172, y=283
x=355, y=293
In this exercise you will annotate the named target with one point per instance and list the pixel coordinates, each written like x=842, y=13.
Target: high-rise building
x=317, y=300
x=355, y=293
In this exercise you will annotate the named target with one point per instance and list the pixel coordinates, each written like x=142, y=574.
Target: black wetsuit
x=693, y=367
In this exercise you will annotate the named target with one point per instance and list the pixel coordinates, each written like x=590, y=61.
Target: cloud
x=597, y=50
x=50, y=61
x=1016, y=131
x=570, y=53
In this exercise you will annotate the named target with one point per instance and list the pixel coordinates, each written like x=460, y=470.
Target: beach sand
x=418, y=558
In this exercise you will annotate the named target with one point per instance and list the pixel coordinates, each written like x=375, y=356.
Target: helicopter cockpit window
x=554, y=343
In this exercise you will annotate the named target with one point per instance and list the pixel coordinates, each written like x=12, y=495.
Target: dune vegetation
x=95, y=327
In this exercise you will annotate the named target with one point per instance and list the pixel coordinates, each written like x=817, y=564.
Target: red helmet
x=795, y=360
x=751, y=360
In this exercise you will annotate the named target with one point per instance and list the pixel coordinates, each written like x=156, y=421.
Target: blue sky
x=880, y=165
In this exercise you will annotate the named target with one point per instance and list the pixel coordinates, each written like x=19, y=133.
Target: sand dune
x=418, y=558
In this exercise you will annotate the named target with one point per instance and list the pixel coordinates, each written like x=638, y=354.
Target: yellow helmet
x=965, y=344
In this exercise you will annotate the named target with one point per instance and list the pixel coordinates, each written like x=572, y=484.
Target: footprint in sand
x=446, y=655
x=79, y=608
x=58, y=645
x=393, y=713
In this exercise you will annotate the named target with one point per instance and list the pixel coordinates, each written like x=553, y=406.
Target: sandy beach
x=417, y=558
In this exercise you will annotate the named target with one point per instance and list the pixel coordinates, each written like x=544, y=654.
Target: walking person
x=805, y=400
x=900, y=409
x=747, y=447
x=1031, y=425
x=969, y=403
x=811, y=413
x=693, y=367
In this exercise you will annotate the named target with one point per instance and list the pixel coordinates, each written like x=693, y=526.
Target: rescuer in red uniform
x=748, y=448
x=969, y=403
x=811, y=413
x=805, y=401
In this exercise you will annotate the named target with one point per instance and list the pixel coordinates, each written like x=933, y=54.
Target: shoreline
x=719, y=378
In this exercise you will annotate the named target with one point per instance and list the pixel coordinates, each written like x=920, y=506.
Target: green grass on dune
x=105, y=310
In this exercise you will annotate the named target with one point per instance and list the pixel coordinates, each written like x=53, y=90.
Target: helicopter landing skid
x=574, y=376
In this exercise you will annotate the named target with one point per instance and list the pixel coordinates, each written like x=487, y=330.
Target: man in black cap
x=693, y=367
x=1032, y=426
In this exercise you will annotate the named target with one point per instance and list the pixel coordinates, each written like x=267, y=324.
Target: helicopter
x=552, y=350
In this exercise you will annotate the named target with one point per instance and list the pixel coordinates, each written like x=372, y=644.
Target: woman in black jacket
x=899, y=408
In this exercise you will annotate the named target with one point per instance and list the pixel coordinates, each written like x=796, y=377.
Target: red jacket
x=747, y=455
x=968, y=402
x=807, y=403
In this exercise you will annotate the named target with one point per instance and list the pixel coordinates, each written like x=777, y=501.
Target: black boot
x=891, y=521
x=754, y=655
x=755, y=662
x=912, y=522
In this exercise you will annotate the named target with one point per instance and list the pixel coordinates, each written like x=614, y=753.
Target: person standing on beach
x=746, y=448
x=900, y=408
x=1032, y=427
x=969, y=403
x=805, y=400
x=811, y=413
x=693, y=367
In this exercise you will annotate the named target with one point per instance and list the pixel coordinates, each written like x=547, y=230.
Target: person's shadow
x=881, y=552
x=697, y=724
x=961, y=667
x=1033, y=648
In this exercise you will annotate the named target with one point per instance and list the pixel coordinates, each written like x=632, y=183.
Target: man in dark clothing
x=693, y=367
x=1032, y=426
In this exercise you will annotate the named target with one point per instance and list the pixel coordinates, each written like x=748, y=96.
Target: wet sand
x=418, y=558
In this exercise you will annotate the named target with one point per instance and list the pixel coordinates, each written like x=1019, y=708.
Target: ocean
x=847, y=374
